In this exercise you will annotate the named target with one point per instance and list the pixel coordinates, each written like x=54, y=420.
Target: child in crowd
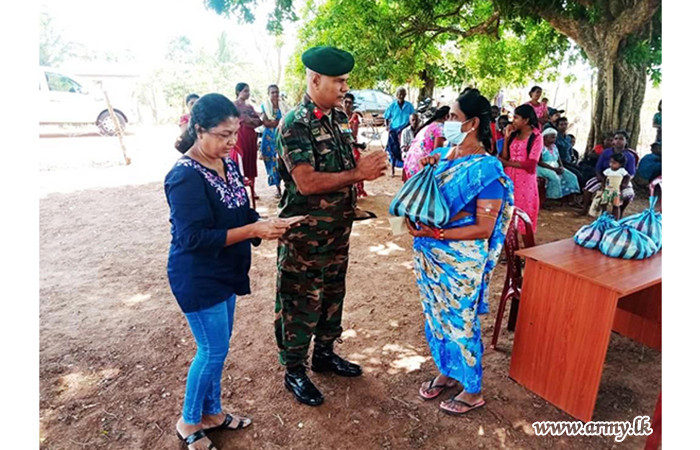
x=615, y=175
x=575, y=155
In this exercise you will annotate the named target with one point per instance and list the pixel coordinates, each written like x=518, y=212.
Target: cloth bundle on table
x=590, y=235
x=627, y=243
x=453, y=276
x=647, y=222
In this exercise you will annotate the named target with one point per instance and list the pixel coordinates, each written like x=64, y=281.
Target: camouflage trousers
x=309, y=302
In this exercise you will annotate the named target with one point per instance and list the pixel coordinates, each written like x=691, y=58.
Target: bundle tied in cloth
x=627, y=243
x=647, y=222
x=420, y=200
x=590, y=235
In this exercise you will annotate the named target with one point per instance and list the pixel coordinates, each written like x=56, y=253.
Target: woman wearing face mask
x=520, y=156
x=454, y=264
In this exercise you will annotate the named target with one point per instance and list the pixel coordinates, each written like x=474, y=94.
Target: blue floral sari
x=269, y=153
x=453, y=276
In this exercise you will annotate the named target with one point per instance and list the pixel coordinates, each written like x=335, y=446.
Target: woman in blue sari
x=272, y=112
x=453, y=265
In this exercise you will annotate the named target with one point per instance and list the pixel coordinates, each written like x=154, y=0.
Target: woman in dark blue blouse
x=212, y=228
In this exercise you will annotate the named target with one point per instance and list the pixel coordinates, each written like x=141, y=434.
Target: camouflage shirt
x=307, y=136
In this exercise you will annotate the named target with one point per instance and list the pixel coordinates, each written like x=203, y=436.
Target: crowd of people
x=485, y=162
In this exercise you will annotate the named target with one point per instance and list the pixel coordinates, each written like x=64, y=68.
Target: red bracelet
x=439, y=233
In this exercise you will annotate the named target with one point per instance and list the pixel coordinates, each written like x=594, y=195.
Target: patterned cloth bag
x=589, y=236
x=420, y=200
x=627, y=243
x=648, y=222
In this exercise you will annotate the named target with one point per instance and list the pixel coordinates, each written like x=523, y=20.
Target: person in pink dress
x=521, y=153
x=428, y=137
x=541, y=108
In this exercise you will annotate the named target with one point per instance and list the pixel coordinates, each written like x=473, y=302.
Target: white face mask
x=453, y=131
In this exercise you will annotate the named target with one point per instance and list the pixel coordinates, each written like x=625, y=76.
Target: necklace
x=472, y=151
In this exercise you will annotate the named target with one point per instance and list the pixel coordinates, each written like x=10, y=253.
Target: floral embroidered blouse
x=202, y=270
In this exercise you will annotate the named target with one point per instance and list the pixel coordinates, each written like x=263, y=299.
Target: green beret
x=328, y=61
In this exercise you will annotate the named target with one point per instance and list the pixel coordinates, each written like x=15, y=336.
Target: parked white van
x=64, y=99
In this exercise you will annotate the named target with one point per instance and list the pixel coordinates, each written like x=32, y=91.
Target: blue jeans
x=212, y=329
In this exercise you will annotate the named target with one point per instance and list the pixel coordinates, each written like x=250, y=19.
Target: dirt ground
x=115, y=348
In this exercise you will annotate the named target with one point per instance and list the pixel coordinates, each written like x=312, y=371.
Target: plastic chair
x=514, y=272
x=542, y=190
x=636, y=157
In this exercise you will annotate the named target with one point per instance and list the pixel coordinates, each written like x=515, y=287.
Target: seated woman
x=649, y=167
x=454, y=264
x=561, y=182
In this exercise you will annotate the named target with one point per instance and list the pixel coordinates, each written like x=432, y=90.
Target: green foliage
x=53, y=48
x=400, y=40
x=646, y=51
x=186, y=70
x=243, y=10
x=643, y=48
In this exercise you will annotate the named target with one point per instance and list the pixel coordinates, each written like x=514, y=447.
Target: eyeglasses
x=221, y=135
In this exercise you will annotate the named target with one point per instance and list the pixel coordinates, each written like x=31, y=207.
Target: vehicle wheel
x=106, y=125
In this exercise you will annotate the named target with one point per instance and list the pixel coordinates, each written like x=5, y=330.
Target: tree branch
x=634, y=17
x=483, y=28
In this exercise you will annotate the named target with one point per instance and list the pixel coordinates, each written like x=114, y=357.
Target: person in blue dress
x=212, y=227
x=272, y=111
x=453, y=265
x=397, y=117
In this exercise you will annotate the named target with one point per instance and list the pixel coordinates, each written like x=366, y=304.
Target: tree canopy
x=420, y=42
x=487, y=43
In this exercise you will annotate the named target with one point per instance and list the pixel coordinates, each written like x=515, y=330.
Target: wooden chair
x=514, y=272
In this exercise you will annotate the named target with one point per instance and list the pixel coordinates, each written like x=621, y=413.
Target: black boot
x=296, y=381
x=325, y=360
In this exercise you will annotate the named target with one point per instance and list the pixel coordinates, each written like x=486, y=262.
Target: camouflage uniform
x=312, y=259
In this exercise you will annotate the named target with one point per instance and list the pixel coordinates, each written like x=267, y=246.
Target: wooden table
x=572, y=297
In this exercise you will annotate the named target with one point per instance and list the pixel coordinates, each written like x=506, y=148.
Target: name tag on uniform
x=323, y=137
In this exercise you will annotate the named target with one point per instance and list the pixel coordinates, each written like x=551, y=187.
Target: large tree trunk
x=428, y=87
x=618, y=99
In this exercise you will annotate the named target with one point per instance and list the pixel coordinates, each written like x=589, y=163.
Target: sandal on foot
x=370, y=215
x=194, y=437
x=440, y=388
x=470, y=407
x=243, y=422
